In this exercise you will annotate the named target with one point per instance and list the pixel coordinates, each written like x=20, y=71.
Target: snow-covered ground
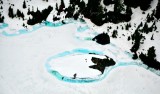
x=23, y=58
x=23, y=69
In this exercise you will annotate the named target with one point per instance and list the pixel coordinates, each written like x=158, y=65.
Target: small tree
x=24, y=4
x=115, y=33
x=1, y=18
x=57, y=7
x=62, y=6
x=128, y=10
x=118, y=7
x=10, y=12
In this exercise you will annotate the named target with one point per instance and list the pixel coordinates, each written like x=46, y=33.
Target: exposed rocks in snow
x=74, y=76
x=101, y=64
x=102, y=38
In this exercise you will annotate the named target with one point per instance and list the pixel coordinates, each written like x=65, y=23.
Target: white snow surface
x=78, y=64
x=22, y=60
x=22, y=67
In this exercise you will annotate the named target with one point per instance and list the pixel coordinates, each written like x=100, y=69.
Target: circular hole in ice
x=73, y=66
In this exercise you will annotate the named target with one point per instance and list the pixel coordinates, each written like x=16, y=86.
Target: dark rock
x=101, y=64
x=74, y=76
x=135, y=56
x=102, y=38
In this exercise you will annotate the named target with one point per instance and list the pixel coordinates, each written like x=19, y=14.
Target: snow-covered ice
x=23, y=71
x=34, y=60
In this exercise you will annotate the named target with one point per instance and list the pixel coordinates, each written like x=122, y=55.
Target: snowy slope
x=22, y=68
x=23, y=56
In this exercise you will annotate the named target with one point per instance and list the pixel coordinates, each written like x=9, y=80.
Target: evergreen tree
x=62, y=6
x=129, y=10
x=10, y=12
x=81, y=6
x=38, y=17
x=157, y=15
x=118, y=6
x=145, y=28
x=136, y=37
x=1, y=18
x=57, y=7
x=18, y=13
x=115, y=34
x=143, y=4
x=107, y=2
x=150, y=59
x=24, y=4
x=127, y=26
x=152, y=37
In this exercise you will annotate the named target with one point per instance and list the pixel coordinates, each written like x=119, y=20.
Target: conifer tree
x=24, y=4
x=10, y=12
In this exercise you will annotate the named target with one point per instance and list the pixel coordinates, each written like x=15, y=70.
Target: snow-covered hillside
x=79, y=47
